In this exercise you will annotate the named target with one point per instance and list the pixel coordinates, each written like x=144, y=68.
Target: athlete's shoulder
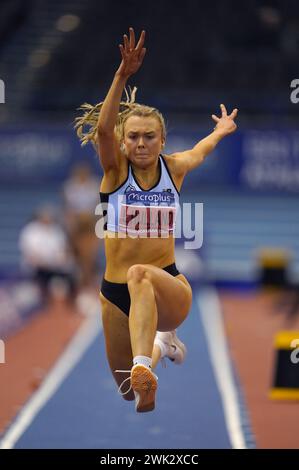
x=170, y=159
x=114, y=179
x=173, y=167
x=174, y=163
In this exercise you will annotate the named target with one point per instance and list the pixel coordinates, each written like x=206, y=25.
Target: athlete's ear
x=123, y=147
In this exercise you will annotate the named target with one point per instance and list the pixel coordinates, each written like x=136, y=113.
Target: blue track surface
x=86, y=412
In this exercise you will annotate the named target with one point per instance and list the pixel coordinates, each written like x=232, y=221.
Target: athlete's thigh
x=173, y=297
x=118, y=344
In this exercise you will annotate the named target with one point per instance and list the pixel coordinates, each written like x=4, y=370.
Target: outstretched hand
x=132, y=56
x=225, y=123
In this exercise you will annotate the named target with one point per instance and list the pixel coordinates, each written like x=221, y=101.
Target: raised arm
x=190, y=159
x=132, y=57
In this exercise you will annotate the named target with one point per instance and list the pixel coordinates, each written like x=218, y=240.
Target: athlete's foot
x=144, y=384
x=171, y=347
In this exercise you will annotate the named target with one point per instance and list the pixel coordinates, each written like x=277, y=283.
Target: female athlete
x=144, y=298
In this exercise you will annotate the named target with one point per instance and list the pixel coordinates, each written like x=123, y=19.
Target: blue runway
x=87, y=412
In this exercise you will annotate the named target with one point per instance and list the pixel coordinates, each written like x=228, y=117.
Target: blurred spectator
x=46, y=255
x=81, y=194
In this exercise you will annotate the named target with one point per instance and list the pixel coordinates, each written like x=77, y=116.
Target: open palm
x=225, y=123
x=132, y=56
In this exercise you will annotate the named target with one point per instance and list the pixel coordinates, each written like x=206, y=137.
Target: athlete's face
x=142, y=140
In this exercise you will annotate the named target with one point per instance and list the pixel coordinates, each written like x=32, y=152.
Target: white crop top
x=145, y=213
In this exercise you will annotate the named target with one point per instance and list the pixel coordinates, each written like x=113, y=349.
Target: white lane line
x=210, y=313
x=69, y=359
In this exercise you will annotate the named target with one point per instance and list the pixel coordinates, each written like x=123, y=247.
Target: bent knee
x=138, y=273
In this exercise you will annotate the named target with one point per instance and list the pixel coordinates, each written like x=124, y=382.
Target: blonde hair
x=86, y=125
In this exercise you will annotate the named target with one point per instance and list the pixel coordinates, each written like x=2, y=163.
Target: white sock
x=144, y=360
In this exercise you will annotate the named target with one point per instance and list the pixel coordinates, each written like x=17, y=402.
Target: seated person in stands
x=45, y=253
